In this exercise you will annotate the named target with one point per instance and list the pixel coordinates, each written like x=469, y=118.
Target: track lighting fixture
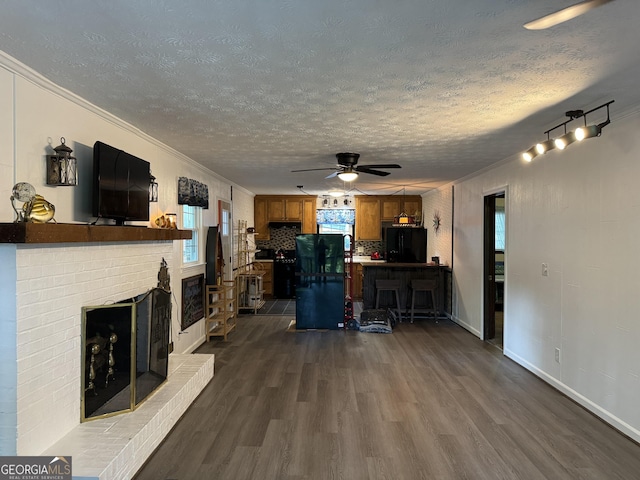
x=579, y=134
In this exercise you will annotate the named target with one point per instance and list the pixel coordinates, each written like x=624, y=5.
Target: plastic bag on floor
x=376, y=321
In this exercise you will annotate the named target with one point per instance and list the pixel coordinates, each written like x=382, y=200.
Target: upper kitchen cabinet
x=309, y=224
x=368, y=218
x=413, y=205
x=284, y=208
x=261, y=218
x=390, y=207
x=373, y=210
x=394, y=205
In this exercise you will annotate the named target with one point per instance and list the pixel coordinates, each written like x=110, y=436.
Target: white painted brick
x=49, y=300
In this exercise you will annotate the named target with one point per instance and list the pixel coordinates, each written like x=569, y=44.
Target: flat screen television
x=120, y=185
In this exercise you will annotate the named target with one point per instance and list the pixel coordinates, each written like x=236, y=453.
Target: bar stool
x=389, y=286
x=429, y=287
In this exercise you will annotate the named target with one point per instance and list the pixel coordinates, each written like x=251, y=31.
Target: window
x=341, y=228
x=500, y=228
x=191, y=220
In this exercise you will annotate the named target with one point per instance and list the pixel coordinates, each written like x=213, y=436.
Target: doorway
x=224, y=225
x=494, y=250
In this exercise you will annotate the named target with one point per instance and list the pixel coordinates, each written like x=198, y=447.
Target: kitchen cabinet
x=393, y=205
x=368, y=218
x=356, y=282
x=372, y=210
x=220, y=310
x=309, y=224
x=283, y=208
x=261, y=219
x=390, y=207
x=267, y=278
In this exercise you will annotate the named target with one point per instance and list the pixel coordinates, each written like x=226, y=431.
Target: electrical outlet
x=557, y=355
x=545, y=270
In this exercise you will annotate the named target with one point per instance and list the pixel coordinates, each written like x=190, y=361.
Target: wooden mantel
x=84, y=233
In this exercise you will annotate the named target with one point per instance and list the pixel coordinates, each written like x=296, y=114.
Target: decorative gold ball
x=95, y=349
x=113, y=338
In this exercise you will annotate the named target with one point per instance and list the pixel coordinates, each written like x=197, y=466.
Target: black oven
x=284, y=274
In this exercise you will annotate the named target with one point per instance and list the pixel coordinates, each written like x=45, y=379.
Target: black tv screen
x=121, y=185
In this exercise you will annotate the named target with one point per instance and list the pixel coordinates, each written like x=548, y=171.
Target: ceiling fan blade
x=312, y=169
x=363, y=169
x=381, y=165
x=331, y=175
x=564, y=15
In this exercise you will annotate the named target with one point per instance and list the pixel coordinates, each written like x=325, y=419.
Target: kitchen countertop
x=378, y=263
x=364, y=259
x=355, y=259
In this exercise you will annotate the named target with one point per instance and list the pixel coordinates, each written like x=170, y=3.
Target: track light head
x=530, y=154
x=544, y=147
x=564, y=141
x=588, y=132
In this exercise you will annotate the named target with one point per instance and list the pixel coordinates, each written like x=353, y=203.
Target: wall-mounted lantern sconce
x=62, y=168
x=153, y=188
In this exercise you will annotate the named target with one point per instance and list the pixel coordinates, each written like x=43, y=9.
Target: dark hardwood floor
x=429, y=401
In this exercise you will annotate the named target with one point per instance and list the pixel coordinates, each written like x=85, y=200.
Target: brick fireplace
x=43, y=288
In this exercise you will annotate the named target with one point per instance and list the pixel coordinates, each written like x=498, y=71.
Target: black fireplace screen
x=125, y=350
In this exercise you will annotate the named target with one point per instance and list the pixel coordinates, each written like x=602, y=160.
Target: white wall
x=34, y=115
x=439, y=242
x=579, y=211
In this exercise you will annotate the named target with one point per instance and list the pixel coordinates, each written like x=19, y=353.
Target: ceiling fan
x=348, y=169
x=564, y=15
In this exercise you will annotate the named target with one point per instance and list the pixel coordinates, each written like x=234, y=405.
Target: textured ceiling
x=255, y=88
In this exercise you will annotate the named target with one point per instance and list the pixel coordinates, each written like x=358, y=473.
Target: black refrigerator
x=320, y=281
x=406, y=244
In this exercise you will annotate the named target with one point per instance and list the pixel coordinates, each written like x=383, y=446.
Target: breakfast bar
x=404, y=273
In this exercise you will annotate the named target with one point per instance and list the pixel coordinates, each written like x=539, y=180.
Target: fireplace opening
x=125, y=349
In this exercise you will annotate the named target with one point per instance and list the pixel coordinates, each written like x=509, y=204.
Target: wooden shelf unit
x=220, y=310
x=246, y=247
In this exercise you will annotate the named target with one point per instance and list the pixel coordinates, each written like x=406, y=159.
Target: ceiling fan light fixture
x=335, y=192
x=348, y=176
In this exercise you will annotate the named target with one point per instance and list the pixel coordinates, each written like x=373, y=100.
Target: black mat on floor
x=278, y=307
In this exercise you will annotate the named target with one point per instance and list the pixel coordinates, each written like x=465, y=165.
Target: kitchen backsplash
x=368, y=247
x=281, y=238
x=285, y=238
